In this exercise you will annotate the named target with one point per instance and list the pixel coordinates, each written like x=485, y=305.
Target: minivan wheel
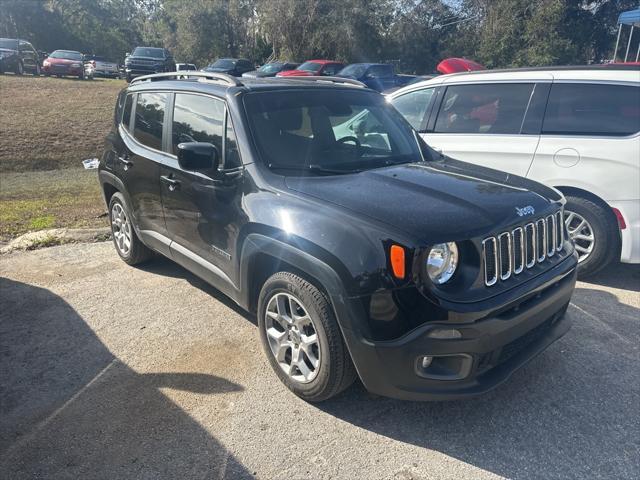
x=127, y=243
x=594, y=232
x=301, y=337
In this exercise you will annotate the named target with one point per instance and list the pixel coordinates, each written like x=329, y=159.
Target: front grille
x=143, y=63
x=510, y=253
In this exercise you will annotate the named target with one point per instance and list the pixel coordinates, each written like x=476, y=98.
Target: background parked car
x=377, y=76
x=100, y=67
x=271, y=69
x=18, y=56
x=576, y=129
x=314, y=67
x=185, y=67
x=147, y=60
x=64, y=63
x=230, y=66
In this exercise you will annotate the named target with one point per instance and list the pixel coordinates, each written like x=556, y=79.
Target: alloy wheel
x=292, y=337
x=581, y=233
x=121, y=228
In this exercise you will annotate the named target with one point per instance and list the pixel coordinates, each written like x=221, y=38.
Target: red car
x=64, y=62
x=314, y=67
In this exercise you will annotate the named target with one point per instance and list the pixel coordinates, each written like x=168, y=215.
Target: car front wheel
x=301, y=337
x=595, y=234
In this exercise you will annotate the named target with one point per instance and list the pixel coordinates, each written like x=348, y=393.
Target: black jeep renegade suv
x=361, y=250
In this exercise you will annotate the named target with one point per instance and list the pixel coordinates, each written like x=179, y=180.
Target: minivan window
x=150, y=109
x=126, y=113
x=197, y=118
x=592, y=109
x=488, y=109
x=413, y=106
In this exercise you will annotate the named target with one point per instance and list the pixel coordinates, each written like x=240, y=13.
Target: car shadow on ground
x=70, y=409
x=571, y=413
x=618, y=275
x=160, y=265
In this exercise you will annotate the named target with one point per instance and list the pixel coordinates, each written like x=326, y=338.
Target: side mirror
x=127, y=54
x=196, y=156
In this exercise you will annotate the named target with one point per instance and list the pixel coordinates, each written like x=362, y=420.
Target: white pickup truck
x=96, y=66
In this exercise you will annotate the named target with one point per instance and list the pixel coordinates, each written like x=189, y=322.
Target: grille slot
x=518, y=250
x=559, y=230
x=530, y=244
x=504, y=244
x=490, y=261
x=510, y=253
x=551, y=235
x=541, y=240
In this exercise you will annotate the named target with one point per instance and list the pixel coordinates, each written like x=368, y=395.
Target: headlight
x=442, y=262
x=46, y=63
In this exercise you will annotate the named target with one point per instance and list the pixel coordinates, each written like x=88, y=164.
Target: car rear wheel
x=301, y=337
x=595, y=234
x=127, y=243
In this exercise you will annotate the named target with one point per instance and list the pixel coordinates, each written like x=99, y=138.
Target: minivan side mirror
x=197, y=156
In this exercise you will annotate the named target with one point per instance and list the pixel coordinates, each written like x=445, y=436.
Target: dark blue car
x=377, y=76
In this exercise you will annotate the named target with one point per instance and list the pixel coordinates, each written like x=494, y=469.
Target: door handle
x=126, y=162
x=173, y=184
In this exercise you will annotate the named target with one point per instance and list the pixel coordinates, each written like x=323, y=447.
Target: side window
x=596, y=109
x=231, y=155
x=413, y=106
x=150, y=109
x=332, y=69
x=380, y=71
x=126, y=111
x=490, y=109
x=197, y=119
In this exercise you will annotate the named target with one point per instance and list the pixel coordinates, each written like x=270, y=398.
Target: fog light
x=444, y=333
x=425, y=361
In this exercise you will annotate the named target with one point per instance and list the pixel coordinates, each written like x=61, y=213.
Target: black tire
x=19, y=68
x=606, y=245
x=138, y=252
x=336, y=371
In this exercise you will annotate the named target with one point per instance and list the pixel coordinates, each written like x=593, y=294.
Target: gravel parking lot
x=108, y=371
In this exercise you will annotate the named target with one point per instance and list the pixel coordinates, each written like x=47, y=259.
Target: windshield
x=9, y=43
x=329, y=131
x=354, y=70
x=148, y=52
x=224, y=63
x=310, y=66
x=271, y=67
x=66, y=55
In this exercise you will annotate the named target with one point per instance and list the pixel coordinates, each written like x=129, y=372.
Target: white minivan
x=574, y=128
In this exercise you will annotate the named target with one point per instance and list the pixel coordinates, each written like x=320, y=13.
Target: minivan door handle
x=173, y=184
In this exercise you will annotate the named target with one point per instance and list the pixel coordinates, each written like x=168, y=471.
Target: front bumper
x=63, y=70
x=489, y=350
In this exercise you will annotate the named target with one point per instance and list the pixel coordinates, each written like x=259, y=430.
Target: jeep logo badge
x=528, y=210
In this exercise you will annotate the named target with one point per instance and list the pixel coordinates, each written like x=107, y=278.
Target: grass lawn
x=47, y=127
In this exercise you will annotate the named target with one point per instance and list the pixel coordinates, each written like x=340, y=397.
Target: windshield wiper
x=313, y=168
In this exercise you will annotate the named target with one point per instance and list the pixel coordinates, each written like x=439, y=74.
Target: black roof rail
x=319, y=78
x=184, y=74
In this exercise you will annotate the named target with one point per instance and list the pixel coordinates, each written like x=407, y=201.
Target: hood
x=62, y=61
x=139, y=57
x=296, y=73
x=434, y=202
x=218, y=69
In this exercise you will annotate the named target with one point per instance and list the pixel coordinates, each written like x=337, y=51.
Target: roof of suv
x=248, y=84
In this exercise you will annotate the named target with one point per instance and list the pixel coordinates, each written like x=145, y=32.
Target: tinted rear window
x=150, y=109
x=596, y=109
